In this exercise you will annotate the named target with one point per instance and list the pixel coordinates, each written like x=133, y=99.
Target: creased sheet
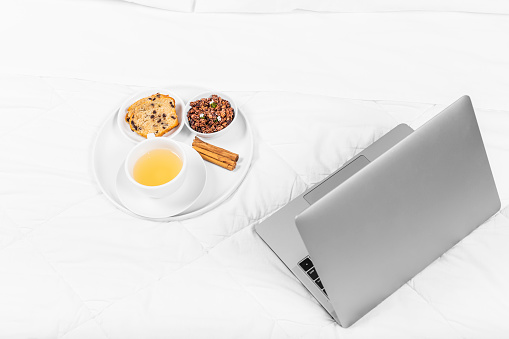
x=74, y=266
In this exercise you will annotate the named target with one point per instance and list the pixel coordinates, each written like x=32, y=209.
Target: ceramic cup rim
x=182, y=156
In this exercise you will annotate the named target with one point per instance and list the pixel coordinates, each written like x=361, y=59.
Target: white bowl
x=124, y=126
x=144, y=147
x=208, y=95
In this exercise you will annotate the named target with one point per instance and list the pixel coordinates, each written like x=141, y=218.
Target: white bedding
x=426, y=57
x=74, y=266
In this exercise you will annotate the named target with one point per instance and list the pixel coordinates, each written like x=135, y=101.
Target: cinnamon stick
x=214, y=155
x=214, y=149
x=217, y=162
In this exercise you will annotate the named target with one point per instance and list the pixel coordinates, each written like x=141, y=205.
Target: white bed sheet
x=268, y=6
x=73, y=266
x=282, y=6
x=427, y=57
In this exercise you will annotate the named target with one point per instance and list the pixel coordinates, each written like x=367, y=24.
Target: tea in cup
x=156, y=166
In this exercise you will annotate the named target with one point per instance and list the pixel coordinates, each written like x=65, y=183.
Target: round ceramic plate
x=111, y=148
x=177, y=202
x=124, y=126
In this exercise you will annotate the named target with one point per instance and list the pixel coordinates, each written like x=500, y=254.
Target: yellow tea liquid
x=157, y=167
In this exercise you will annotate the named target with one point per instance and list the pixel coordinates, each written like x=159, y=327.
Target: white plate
x=124, y=126
x=178, y=202
x=111, y=148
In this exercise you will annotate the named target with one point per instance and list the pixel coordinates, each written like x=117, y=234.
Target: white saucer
x=169, y=206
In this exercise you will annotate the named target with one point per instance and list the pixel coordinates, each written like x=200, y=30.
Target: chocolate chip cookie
x=154, y=114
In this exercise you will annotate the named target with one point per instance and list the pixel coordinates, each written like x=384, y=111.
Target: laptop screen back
x=386, y=223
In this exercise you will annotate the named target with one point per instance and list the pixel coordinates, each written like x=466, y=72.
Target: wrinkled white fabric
x=281, y=6
x=74, y=266
x=317, y=88
x=268, y=6
x=426, y=57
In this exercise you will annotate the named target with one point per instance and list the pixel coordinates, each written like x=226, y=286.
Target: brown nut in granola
x=209, y=115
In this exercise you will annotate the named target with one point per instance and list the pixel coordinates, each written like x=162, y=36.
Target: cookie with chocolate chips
x=154, y=114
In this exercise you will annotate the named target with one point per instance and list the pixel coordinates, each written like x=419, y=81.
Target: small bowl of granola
x=210, y=114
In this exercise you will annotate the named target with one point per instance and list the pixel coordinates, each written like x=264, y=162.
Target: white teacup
x=142, y=148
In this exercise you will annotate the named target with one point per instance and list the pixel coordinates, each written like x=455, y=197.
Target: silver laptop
x=360, y=234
